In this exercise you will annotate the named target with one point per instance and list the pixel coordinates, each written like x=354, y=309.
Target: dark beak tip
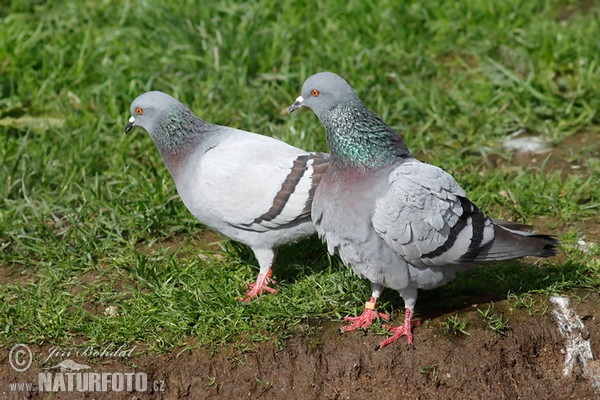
x=294, y=107
x=128, y=127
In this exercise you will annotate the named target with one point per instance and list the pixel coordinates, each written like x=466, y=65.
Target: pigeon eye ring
x=139, y=111
x=315, y=93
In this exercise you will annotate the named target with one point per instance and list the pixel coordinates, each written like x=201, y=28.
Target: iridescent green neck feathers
x=357, y=137
x=176, y=129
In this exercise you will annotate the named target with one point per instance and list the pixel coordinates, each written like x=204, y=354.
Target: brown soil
x=524, y=363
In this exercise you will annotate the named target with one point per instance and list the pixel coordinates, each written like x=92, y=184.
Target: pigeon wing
x=425, y=217
x=259, y=183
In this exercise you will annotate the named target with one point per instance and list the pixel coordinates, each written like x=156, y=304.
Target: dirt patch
x=205, y=243
x=573, y=153
x=525, y=362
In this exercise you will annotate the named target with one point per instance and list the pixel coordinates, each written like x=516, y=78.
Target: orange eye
x=315, y=93
x=139, y=111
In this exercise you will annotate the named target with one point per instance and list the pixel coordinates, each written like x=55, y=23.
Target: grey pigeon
x=396, y=221
x=252, y=188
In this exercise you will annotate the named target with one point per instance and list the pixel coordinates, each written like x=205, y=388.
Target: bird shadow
x=480, y=285
x=492, y=283
x=294, y=260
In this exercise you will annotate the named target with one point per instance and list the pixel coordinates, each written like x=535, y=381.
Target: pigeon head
x=148, y=109
x=324, y=91
x=356, y=136
x=171, y=124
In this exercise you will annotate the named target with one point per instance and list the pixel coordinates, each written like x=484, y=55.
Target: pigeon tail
x=509, y=244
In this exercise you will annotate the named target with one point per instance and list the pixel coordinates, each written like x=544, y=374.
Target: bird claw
x=384, y=316
x=363, y=321
x=269, y=281
x=259, y=287
x=255, y=292
x=403, y=330
x=398, y=332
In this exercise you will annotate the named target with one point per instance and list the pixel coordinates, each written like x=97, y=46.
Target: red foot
x=260, y=286
x=403, y=330
x=365, y=319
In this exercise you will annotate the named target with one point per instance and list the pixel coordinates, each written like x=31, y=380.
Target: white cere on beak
x=131, y=119
x=299, y=99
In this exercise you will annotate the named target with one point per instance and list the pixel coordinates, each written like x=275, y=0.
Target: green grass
x=454, y=324
x=495, y=321
x=89, y=217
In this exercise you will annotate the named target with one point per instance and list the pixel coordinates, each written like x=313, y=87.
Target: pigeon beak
x=129, y=125
x=297, y=104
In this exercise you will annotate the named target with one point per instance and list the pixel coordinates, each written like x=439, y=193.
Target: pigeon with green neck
x=254, y=189
x=396, y=221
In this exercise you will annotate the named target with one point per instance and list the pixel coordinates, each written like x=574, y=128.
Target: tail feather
x=515, y=226
x=509, y=243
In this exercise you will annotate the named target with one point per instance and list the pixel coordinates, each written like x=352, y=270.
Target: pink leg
x=403, y=330
x=366, y=318
x=260, y=286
